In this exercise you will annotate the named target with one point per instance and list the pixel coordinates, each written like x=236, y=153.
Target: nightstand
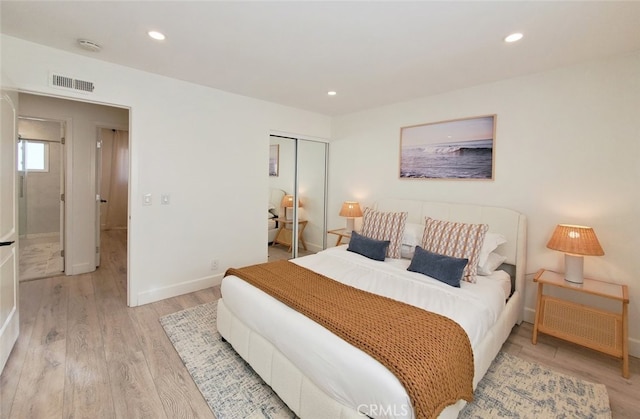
x=341, y=233
x=285, y=232
x=601, y=330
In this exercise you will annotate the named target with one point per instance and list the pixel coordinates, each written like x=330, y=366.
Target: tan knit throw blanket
x=429, y=353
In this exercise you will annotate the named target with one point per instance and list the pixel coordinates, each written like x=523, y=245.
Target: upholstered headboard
x=509, y=223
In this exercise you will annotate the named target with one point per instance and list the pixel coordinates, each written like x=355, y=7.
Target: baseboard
x=634, y=344
x=634, y=347
x=186, y=287
x=529, y=315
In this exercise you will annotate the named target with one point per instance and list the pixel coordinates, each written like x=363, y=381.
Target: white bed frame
x=305, y=398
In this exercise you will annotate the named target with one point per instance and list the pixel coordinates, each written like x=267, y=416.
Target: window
x=33, y=156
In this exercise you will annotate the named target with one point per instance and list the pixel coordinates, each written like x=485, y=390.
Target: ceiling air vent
x=65, y=82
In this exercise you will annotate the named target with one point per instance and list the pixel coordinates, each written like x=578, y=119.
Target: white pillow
x=407, y=251
x=493, y=261
x=490, y=243
x=412, y=235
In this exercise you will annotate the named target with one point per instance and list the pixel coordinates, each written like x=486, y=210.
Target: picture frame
x=458, y=149
x=274, y=157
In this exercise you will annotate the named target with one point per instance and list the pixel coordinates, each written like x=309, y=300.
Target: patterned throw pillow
x=380, y=225
x=458, y=240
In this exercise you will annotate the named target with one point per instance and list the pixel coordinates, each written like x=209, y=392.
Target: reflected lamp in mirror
x=350, y=210
x=287, y=204
x=576, y=242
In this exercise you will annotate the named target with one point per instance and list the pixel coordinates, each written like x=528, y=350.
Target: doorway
x=83, y=121
x=40, y=170
x=112, y=185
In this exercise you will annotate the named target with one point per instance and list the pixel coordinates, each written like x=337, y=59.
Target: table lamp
x=287, y=204
x=351, y=210
x=576, y=242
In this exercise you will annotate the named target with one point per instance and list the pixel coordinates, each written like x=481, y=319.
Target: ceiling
x=371, y=53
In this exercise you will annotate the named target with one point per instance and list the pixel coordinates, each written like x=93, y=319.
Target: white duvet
x=344, y=372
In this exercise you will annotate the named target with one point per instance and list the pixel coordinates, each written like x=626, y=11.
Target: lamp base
x=574, y=268
x=350, y=224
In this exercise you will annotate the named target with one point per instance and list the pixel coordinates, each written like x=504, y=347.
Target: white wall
x=567, y=149
x=200, y=145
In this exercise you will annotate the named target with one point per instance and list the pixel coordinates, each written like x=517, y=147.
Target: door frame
x=132, y=299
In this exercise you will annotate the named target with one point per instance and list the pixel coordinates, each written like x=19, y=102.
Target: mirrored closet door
x=297, y=196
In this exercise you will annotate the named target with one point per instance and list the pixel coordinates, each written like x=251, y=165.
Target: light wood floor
x=39, y=257
x=82, y=353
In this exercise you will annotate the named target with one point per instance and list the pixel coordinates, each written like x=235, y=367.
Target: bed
x=273, y=212
x=319, y=375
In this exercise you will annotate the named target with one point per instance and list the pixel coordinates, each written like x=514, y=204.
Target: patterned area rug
x=512, y=388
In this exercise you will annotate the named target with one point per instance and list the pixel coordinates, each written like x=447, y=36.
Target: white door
x=8, y=209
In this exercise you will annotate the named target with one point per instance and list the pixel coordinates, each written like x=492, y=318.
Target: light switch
x=146, y=199
x=165, y=199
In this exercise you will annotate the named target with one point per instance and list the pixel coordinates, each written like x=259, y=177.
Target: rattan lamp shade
x=287, y=201
x=577, y=240
x=351, y=210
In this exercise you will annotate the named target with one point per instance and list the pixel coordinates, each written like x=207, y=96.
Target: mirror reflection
x=297, y=197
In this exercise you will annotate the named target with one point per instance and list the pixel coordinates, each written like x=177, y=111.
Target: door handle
x=7, y=243
x=104, y=201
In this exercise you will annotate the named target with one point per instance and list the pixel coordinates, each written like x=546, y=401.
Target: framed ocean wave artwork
x=457, y=149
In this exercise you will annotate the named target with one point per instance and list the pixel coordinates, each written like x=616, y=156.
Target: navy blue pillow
x=373, y=249
x=443, y=268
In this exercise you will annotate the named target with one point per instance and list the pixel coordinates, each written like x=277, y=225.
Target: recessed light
x=513, y=37
x=156, y=35
x=332, y=93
